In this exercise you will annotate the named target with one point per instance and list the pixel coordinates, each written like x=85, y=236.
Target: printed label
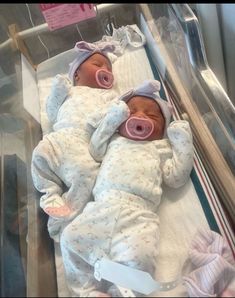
x=61, y=15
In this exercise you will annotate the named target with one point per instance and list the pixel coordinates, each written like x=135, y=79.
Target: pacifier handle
x=104, y=78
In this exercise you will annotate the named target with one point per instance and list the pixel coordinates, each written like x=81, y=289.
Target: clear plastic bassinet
x=176, y=54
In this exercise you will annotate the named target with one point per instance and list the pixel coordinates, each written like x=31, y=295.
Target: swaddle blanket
x=213, y=274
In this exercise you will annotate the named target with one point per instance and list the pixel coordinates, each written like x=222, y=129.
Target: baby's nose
x=105, y=67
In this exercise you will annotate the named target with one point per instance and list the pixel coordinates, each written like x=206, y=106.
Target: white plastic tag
x=130, y=278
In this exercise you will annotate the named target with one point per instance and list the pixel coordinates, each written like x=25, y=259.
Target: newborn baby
x=136, y=156
x=62, y=167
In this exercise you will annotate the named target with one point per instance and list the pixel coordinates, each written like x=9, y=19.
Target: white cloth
x=62, y=167
x=127, y=191
x=214, y=266
x=117, y=226
x=129, y=35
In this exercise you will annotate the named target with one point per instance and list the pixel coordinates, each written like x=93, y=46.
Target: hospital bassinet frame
x=215, y=163
x=39, y=245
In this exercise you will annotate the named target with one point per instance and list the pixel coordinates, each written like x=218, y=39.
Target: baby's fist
x=61, y=84
x=119, y=110
x=179, y=133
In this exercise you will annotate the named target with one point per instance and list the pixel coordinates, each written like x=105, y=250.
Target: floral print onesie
x=122, y=222
x=62, y=167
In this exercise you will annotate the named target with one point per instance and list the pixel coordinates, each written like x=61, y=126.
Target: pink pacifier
x=104, y=78
x=139, y=128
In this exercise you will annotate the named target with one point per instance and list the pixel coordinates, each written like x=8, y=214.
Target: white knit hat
x=151, y=88
x=84, y=51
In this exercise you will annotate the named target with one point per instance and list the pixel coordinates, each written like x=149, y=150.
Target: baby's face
x=85, y=75
x=146, y=107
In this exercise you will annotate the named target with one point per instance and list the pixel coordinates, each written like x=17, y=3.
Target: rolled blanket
x=214, y=273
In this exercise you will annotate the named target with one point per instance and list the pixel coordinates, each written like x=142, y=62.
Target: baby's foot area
x=228, y=293
x=58, y=212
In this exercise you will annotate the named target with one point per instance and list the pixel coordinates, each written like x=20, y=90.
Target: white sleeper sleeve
x=177, y=169
x=117, y=113
x=60, y=89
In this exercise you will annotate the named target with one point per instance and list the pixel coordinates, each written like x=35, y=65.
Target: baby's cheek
x=155, y=136
x=157, y=133
x=90, y=78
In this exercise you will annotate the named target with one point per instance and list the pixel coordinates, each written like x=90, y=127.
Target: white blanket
x=180, y=212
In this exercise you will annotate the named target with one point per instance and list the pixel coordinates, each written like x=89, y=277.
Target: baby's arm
x=44, y=161
x=115, y=116
x=176, y=170
x=59, y=91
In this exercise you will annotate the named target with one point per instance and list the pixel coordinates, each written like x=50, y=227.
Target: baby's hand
x=59, y=91
x=61, y=85
x=179, y=134
x=110, y=118
x=119, y=111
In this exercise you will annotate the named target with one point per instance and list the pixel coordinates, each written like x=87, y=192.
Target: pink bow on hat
x=151, y=88
x=92, y=47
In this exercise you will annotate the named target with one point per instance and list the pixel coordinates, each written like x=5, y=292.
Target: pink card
x=61, y=15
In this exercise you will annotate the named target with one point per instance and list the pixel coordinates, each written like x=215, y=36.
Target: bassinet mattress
x=183, y=211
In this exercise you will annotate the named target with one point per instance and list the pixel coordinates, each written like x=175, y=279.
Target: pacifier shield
x=139, y=128
x=104, y=78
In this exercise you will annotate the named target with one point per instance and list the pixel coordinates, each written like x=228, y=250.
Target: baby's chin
x=90, y=85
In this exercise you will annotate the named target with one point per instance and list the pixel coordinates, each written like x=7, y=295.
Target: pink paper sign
x=61, y=15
